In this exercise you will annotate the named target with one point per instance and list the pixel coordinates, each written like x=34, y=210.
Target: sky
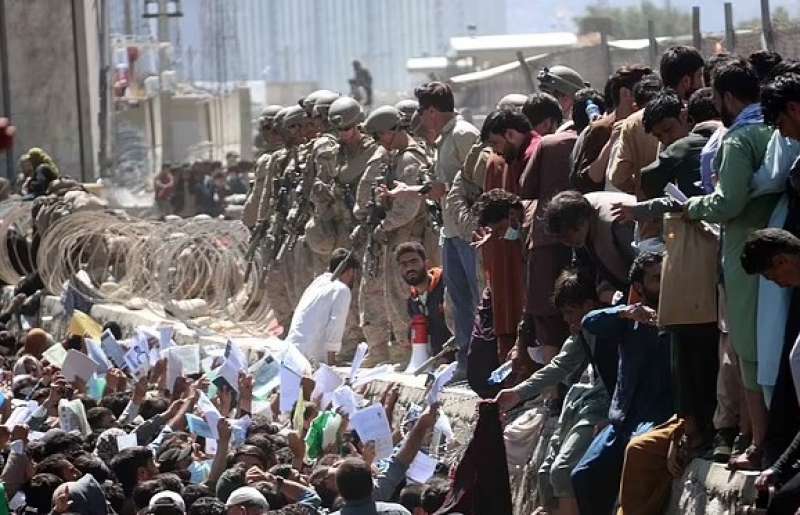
x=558, y=16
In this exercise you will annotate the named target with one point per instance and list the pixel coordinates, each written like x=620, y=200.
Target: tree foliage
x=631, y=22
x=781, y=20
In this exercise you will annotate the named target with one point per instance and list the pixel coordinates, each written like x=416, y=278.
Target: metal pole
x=526, y=72
x=653, y=43
x=766, y=26
x=105, y=97
x=697, y=36
x=730, y=33
x=6, y=86
x=128, y=17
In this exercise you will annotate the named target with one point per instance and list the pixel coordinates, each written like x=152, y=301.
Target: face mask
x=511, y=234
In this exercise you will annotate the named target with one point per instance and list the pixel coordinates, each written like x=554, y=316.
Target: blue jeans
x=596, y=477
x=461, y=280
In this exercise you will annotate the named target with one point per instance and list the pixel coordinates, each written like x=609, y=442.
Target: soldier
x=382, y=295
x=309, y=257
x=271, y=142
x=562, y=82
x=279, y=197
x=333, y=194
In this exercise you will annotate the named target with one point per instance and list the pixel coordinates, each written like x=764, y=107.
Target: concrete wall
x=52, y=75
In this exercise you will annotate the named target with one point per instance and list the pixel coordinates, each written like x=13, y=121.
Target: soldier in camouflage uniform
x=382, y=295
x=279, y=196
x=272, y=141
x=334, y=195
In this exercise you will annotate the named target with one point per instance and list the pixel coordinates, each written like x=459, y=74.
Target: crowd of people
x=627, y=255
x=202, y=187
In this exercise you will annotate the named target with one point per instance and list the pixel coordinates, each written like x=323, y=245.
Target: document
x=372, y=425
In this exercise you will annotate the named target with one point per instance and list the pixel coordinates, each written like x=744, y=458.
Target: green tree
x=781, y=20
x=631, y=22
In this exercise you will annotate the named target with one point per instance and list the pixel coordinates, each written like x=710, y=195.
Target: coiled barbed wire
x=159, y=262
x=16, y=229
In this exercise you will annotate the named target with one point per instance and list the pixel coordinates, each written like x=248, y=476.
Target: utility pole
x=128, y=17
x=766, y=27
x=730, y=31
x=104, y=115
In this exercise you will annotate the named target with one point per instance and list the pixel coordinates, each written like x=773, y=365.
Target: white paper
x=266, y=376
x=55, y=354
x=99, y=357
x=344, y=397
x=239, y=428
x=211, y=446
x=325, y=382
x=113, y=349
x=295, y=361
x=422, y=468
x=174, y=368
x=442, y=378
x=165, y=333
x=235, y=361
x=21, y=414
x=125, y=441
x=210, y=413
x=78, y=365
x=674, y=192
x=189, y=356
x=290, y=389
x=72, y=416
x=372, y=425
x=373, y=374
x=358, y=359
x=138, y=357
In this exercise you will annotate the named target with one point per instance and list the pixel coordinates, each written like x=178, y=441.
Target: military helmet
x=345, y=112
x=382, y=119
x=512, y=102
x=266, y=119
x=308, y=102
x=560, y=79
x=407, y=109
x=323, y=103
x=292, y=115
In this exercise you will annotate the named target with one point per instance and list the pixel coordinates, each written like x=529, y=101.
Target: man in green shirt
x=736, y=95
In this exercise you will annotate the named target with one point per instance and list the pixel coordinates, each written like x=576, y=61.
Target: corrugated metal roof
x=466, y=78
x=512, y=41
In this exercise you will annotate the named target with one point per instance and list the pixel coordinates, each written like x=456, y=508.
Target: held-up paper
x=442, y=378
x=189, y=356
x=99, y=357
x=371, y=424
x=55, y=355
x=198, y=426
x=78, y=365
x=358, y=359
x=344, y=397
x=325, y=382
x=165, y=333
x=422, y=468
x=113, y=349
x=235, y=362
x=210, y=414
x=125, y=441
x=290, y=389
x=174, y=368
x=266, y=376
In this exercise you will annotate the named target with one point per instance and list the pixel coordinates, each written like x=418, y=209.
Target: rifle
x=376, y=212
x=433, y=208
x=255, y=242
x=298, y=215
x=276, y=232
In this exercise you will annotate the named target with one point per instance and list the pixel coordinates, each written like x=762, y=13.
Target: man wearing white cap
x=246, y=501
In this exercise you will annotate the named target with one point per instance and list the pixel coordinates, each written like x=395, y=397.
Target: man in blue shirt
x=643, y=395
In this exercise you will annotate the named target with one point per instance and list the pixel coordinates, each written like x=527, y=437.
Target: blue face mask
x=511, y=234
